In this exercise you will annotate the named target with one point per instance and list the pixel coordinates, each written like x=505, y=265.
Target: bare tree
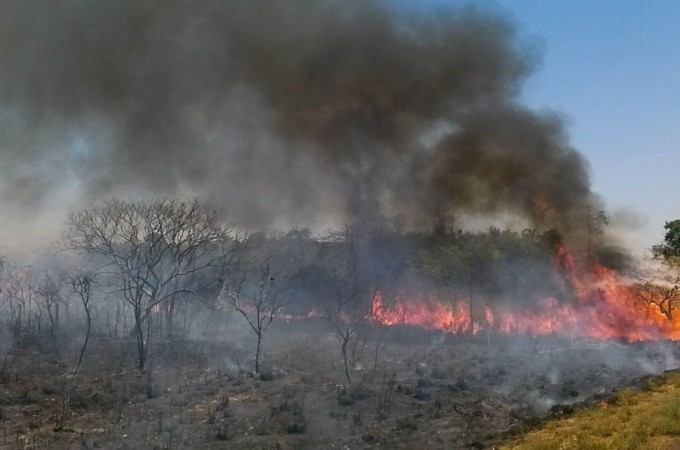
x=81, y=283
x=150, y=251
x=345, y=319
x=257, y=296
x=340, y=285
x=657, y=284
x=19, y=290
x=5, y=288
x=663, y=295
x=49, y=294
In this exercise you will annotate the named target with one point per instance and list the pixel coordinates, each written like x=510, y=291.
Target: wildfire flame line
x=604, y=306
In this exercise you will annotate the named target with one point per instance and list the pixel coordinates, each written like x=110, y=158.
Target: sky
x=611, y=68
x=97, y=102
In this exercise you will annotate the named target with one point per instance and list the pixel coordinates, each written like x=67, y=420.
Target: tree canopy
x=672, y=239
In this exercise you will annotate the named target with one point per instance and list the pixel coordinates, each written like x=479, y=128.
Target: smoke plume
x=294, y=112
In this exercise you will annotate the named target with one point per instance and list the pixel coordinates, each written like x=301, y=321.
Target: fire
x=604, y=306
x=430, y=314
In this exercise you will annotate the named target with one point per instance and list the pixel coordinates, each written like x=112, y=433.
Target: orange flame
x=604, y=306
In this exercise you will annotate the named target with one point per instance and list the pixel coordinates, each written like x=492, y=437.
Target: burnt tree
x=342, y=286
x=664, y=296
x=258, y=298
x=49, y=296
x=150, y=251
x=81, y=284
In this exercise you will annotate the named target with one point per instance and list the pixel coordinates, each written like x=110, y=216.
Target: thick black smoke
x=284, y=111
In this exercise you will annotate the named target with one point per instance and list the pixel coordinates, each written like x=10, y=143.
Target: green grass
x=631, y=420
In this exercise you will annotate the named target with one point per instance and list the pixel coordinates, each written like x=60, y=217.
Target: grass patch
x=631, y=420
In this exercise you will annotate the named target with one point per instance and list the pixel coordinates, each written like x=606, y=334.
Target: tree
x=340, y=284
x=258, y=283
x=258, y=298
x=386, y=261
x=597, y=221
x=49, y=294
x=658, y=285
x=664, y=291
x=671, y=248
x=665, y=296
x=20, y=290
x=478, y=262
x=150, y=251
x=81, y=283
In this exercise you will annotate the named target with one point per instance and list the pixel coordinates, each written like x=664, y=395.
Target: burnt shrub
x=356, y=392
x=360, y=391
x=223, y=403
x=343, y=396
x=438, y=373
x=270, y=375
x=461, y=384
x=78, y=400
x=222, y=433
x=406, y=424
x=289, y=414
x=560, y=410
x=422, y=394
x=290, y=417
x=566, y=392
x=405, y=389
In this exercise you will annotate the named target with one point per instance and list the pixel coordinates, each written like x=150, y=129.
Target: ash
x=411, y=389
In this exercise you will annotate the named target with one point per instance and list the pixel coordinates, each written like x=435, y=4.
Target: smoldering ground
x=285, y=113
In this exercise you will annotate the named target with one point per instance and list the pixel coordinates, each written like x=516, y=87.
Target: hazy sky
x=612, y=68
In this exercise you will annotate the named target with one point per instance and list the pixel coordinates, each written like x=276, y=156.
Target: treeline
x=161, y=268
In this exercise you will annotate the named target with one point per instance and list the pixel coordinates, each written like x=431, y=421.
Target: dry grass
x=632, y=420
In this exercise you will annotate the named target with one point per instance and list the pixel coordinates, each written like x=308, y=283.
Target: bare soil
x=428, y=390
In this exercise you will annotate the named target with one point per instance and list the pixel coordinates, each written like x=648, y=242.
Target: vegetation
x=150, y=252
x=671, y=247
x=631, y=419
x=161, y=264
x=81, y=284
x=664, y=291
x=169, y=268
x=171, y=274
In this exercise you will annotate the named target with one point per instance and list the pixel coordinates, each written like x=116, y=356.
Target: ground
x=642, y=418
x=428, y=390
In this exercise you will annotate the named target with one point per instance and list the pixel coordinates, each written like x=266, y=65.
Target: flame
x=604, y=306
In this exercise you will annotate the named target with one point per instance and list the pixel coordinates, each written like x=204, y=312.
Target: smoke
x=295, y=112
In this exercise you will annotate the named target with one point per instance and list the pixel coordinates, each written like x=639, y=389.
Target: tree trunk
x=170, y=319
x=377, y=350
x=17, y=325
x=258, y=349
x=345, y=341
x=53, y=327
x=139, y=335
x=51, y=317
x=87, y=338
x=115, y=327
x=354, y=357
